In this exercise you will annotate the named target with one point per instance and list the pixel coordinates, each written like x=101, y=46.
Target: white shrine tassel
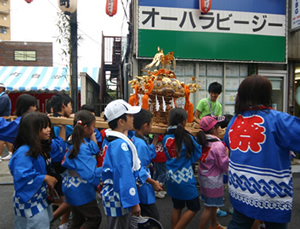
x=164, y=104
x=140, y=99
x=156, y=103
x=173, y=103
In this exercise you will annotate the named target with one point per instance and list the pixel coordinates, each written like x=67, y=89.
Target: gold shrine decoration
x=164, y=60
x=159, y=89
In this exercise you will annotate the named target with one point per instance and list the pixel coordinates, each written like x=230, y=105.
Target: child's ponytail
x=176, y=118
x=82, y=118
x=181, y=135
x=201, y=138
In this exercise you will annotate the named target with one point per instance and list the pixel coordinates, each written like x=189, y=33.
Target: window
x=230, y=75
x=24, y=55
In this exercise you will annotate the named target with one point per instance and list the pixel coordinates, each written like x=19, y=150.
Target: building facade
x=294, y=56
x=5, y=33
x=232, y=41
x=15, y=53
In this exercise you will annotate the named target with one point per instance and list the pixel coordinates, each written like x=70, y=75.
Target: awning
x=24, y=78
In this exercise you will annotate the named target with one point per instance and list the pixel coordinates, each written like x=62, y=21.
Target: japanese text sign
x=233, y=30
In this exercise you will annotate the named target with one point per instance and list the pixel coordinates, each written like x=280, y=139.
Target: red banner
x=205, y=5
x=111, y=7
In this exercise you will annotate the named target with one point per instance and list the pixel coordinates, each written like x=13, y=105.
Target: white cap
x=2, y=85
x=117, y=108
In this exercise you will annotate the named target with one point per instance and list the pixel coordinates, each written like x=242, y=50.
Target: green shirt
x=206, y=107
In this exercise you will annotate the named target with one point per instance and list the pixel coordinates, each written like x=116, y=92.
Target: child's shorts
x=40, y=220
x=193, y=205
x=212, y=202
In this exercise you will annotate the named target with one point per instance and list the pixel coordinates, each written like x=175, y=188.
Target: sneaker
x=64, y=226
x=159, y=195
x=163, y=192
x=219, y=226
x=221, y=213
x=8, y=157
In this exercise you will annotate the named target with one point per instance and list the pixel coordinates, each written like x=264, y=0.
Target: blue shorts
x=212, y=202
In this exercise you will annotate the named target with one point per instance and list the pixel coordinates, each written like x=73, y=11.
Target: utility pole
x=70, y=7
x=74, y=67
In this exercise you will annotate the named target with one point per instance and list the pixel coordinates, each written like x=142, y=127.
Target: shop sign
x=295, y=15
x=232, y=30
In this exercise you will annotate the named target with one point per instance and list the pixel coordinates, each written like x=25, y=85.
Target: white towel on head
x=136, y=163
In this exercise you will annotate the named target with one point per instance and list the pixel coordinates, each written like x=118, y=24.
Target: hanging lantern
x=205, y=6
x=111, y=7
x=28, y=1
x=67, y=5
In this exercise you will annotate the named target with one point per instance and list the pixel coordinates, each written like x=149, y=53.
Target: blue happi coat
x=181, y=182
x=82, y=175
x=119, y=192
x=260, y=176
x=146, y=153
x=30, y=195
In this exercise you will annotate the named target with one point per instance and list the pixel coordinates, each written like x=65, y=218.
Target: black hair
x=29, y=129
x=81, y=119
x=253, y=92
x=24, y=102
x=114, y=123
x=58, y=100
x=139, y=119
x=201, y=138
x=88, y=107
x=215, y=87
x=226, y=120
x=48, y=106
x=176, y=117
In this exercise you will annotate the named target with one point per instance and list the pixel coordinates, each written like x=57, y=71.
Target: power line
x=124, y=9
x=77, y=26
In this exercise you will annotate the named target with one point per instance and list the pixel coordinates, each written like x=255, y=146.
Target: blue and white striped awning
x=24, y=78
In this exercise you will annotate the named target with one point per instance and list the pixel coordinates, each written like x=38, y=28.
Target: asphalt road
x=164, y=205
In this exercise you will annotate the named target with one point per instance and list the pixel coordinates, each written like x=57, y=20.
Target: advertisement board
x=233, y=30
x=295, y=15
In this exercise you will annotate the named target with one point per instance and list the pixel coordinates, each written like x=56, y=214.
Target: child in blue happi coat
x=121, y=166
x=8, y=130
x=29, y=166
x=83, y=175
x=143, y=125
x=182, y=151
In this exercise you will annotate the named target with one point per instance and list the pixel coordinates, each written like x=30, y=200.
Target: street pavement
x=164, y=205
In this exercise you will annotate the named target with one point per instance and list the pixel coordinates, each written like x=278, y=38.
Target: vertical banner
x=111, y=7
